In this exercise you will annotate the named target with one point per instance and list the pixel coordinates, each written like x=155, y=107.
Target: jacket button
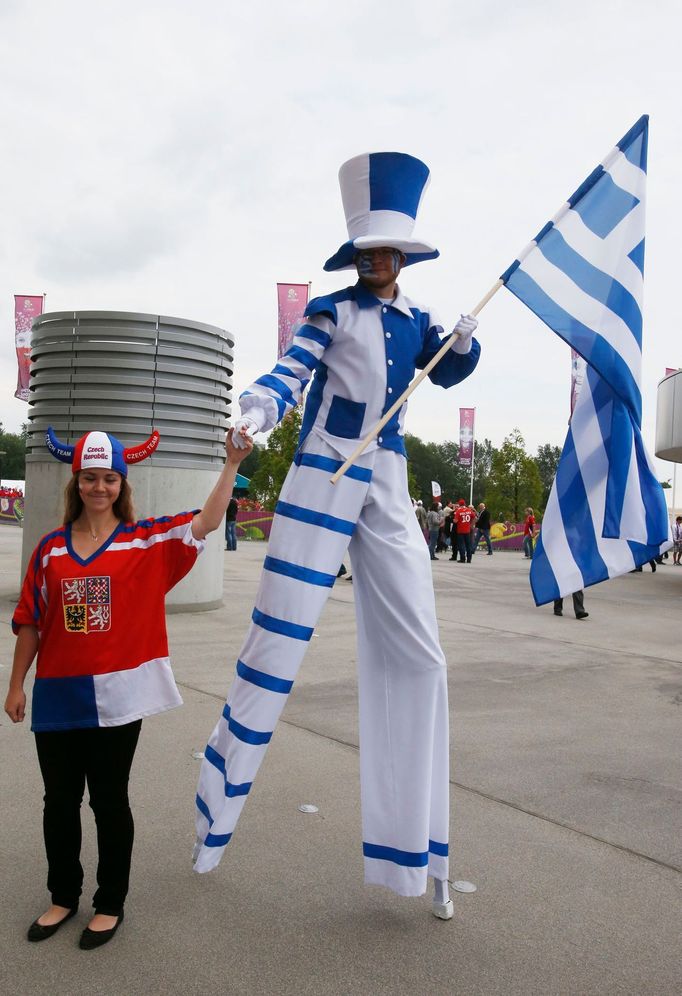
x=390, y=363
x=388, y=335
x=390, y=390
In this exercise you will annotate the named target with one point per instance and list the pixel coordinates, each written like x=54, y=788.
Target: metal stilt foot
x=442, y=904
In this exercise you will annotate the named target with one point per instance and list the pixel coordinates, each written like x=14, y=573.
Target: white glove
x=248, y=425
x=465, y=328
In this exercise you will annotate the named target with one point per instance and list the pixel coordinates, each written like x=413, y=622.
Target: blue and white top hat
x=381, y=193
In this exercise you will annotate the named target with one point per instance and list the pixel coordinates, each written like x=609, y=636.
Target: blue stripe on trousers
x=218, y=761
x=243, y=733
x=281, y=626
x=299, y=573
x=263, y=680
x=318, y=462
x=409, y=859
x=313, y=518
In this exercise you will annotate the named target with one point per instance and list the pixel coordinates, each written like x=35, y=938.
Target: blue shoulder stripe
x=326, y=304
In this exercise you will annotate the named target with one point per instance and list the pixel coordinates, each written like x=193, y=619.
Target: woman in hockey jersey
x=98, y=676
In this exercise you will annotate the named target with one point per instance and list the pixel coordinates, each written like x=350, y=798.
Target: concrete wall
x=128, y=373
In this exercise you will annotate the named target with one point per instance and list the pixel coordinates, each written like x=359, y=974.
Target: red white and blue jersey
x=103, y=653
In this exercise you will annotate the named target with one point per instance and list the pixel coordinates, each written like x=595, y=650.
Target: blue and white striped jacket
x=363, y=355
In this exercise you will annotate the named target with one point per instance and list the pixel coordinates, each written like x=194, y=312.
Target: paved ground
x=565, y=811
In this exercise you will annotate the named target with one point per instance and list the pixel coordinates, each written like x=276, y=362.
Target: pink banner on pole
x=466, y=436
x=291, y=303
x=578, y=368
x=26, y=308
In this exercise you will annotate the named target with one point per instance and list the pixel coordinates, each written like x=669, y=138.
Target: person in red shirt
x=528, y=534
x=92, y=609
x=463, y=517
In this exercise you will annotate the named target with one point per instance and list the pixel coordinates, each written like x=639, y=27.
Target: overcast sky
x=181, y=158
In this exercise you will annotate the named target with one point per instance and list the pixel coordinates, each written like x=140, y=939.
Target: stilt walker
x=361, y=347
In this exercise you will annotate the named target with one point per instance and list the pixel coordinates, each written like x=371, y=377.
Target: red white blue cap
x=381, y=193
x=100, y=450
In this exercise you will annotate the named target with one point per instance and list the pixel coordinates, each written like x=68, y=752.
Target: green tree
x=547, y=461
x=483, y=459
x=514, y=480
x=13, y=459
x=435, y=462
x=274, y=462
x=249, y=465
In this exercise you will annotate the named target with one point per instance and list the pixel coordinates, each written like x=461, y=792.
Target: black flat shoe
x=41, y=932
x=96, y=938
x=582, y=615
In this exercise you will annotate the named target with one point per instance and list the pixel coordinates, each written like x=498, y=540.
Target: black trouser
x=464, y=546
x=102, y=756
x=578, y=603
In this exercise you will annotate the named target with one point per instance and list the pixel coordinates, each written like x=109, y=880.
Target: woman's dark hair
x=73, y=503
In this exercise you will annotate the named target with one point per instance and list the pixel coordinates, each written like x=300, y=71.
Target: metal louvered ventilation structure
x=669, y=418
x=128, y=373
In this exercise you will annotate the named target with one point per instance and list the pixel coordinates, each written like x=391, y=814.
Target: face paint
x=365, y=261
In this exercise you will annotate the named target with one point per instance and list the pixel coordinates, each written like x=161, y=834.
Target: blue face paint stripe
x=313, y=518
x=298, y=573
x=364, y=261
x=263, y=680
x=282, y=626
x=409, y=859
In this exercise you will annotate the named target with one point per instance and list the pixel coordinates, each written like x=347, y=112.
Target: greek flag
x=583, y=275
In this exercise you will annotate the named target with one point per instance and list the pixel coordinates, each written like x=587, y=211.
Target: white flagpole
x=360, y=448
x=473, y=454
